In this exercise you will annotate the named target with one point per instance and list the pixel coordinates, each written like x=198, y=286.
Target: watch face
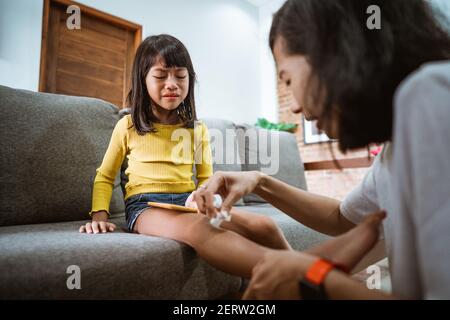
x=311, y=291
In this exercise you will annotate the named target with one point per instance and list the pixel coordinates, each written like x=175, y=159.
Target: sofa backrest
x=273, y=152
x=51, y=147
x=244, y=148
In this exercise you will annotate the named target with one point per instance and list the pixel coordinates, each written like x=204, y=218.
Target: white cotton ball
x=217, y=201
x=216, y=222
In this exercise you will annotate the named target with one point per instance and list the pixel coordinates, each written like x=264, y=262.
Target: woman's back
x=421, y=184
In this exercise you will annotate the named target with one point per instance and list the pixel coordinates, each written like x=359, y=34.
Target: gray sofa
x=51, y=146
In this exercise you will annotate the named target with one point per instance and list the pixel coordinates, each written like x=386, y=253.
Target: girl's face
x=294, y=71
x=167, y=87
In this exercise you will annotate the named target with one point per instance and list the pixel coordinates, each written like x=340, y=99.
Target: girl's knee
x=198, y=229
x=264, y=225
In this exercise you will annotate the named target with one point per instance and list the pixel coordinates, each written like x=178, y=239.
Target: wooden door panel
x=86, y=52
x=90, y=87
x=93, y=61
x=94, y=38
x=90, y=69
x=106, y=28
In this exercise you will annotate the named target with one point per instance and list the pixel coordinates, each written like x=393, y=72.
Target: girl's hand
x=99, y=224
x=230, y=185
x=190, y=201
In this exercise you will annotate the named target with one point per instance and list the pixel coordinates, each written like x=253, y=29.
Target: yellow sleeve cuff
x=92, y=212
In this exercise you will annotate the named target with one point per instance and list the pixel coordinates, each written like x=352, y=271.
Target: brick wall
x=333, y=183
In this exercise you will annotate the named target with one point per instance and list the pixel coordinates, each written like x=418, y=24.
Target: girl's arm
x=106, y=173
x=104, y=181
x=202, y=154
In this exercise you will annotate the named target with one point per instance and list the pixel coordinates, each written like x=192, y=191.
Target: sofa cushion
x=51, y=147
x=119, y=265
x=299, y=236
x=273, y=152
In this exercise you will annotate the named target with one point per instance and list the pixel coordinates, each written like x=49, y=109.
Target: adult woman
x=388, y=85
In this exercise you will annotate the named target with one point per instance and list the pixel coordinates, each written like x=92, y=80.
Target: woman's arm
x=315, y=211
x=277, y=276
x=278, y=273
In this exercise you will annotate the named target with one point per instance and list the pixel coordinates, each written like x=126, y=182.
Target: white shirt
x=410, y=179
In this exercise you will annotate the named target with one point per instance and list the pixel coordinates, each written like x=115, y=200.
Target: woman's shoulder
x=430, y=83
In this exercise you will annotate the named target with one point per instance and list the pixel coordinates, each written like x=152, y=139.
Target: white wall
x=268, y=80
x=227, y=40
x=221, y=36
x=444, y=7
x=20, y=43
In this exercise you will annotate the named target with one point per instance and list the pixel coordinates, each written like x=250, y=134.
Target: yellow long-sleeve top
x=158, y=162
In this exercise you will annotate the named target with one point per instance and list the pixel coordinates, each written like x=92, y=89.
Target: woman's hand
x=230, y=185
x=276, y=276
x=99, y=224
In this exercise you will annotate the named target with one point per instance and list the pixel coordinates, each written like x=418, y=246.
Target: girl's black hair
x=358, y=69
x=174, y=54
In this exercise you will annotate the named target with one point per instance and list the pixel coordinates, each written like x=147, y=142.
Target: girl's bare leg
x=223, y=249
x=258, y=228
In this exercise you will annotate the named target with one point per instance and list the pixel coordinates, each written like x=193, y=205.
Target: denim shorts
x=137, y=203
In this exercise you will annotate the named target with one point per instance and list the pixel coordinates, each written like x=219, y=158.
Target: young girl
x=162, y=101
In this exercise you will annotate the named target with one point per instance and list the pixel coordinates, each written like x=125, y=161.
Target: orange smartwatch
x=311, y=285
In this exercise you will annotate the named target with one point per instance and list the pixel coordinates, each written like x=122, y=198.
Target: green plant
x=266, y=124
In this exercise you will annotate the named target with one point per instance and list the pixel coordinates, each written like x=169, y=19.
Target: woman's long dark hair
x=358, y=69
x=174, y=54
